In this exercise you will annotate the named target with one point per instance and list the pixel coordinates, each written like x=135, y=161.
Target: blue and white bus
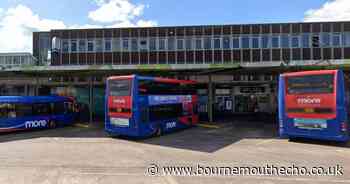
x=35, y=112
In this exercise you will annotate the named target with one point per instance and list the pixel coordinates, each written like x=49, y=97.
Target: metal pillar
x=210, y=99
x=25, y=90
x=36, y=86
x=90, y=99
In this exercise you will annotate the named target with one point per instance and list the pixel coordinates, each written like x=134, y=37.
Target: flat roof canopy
x=165, y=69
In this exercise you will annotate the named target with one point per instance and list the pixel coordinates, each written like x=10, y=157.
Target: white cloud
x=332, y=10
x=18, y=23
x=120, y=13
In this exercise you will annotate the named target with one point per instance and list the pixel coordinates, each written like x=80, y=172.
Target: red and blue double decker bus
x=35, y=112
x=138, y=106
x=313, y=104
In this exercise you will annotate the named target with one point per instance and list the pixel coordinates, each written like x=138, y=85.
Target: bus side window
x=7, y=111
x=58, y=108
x=24, y=110
x=41, y=109
x=68, y=107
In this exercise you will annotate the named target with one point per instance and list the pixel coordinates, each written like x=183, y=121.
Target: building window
x=82, y=45
x=217, y=43
x=188, y=44
x=255, y=42
x=295, y=41
x=207, y=43
x=199, y=44
x=161, y=44
x=245, y=42
x=180, y=44
x=171, y=44
x=285, y=41
x=265, y=42
x=16, y=60
x=24, y=60
x=73, y=45
x=134, y=45
x=91, y=46
x=153, y=44
x=326, y=40
x=143, y=45
x=108, y=45
x=235, y=43
x=346, y=39
x=336, y=39
x=125, y=45
x=65, y=46
x=315, y=41
x=99, y=45
x=116, y=44
x=275, y=42
x=226, y=43
x=305, y=41
x=8, y=60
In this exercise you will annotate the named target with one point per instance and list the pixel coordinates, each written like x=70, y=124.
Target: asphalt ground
x=86, y=154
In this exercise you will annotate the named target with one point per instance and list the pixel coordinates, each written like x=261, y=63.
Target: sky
x=19, y=18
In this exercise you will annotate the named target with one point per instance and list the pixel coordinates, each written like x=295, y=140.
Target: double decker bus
x=313, y=104
x=35, y=112
x=138, y=106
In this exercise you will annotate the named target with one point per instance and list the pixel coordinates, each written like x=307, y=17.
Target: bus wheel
x=158, y=132
x=52, y=124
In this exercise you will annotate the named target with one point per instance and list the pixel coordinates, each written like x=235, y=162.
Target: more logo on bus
x=119, y=101
x=35, y=124
x=170, y=125
x=308, y=100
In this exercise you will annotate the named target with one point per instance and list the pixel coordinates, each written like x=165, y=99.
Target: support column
x=210, y=99
x=26, y=93
x=36, y=86
x=90, y=99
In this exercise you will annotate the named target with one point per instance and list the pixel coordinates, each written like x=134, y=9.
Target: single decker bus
x=35, y=112
x=313, y=104
x=140, y=107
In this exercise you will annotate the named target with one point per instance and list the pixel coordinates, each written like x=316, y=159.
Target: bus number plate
x=120, y=122
x=310, y=123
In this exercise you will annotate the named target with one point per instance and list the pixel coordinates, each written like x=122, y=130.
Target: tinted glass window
x=41, y=109
x=265, y=42
x=245, y=42
x=68, y=107
x=58, y=108
x=23, y=110
x=235, y=43
x=275, y=42
x=226, y=42
x=305, y=41
x=119, y=87
x=310, y=84
x=148, y=87
x=7, y=111
x=168, y=111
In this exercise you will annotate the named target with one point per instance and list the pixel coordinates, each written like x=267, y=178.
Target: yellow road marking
x=80, y=125
x=207, y=125
x=264, y=142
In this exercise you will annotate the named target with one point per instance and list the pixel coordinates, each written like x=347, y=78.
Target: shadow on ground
x=213, y=139
x=200, y=139
x=93, y=131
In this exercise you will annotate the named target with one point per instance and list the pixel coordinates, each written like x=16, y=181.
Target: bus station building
x=237, y=66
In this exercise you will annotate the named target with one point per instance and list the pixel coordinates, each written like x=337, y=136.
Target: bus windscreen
x=119, y=87
x=310, y=84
